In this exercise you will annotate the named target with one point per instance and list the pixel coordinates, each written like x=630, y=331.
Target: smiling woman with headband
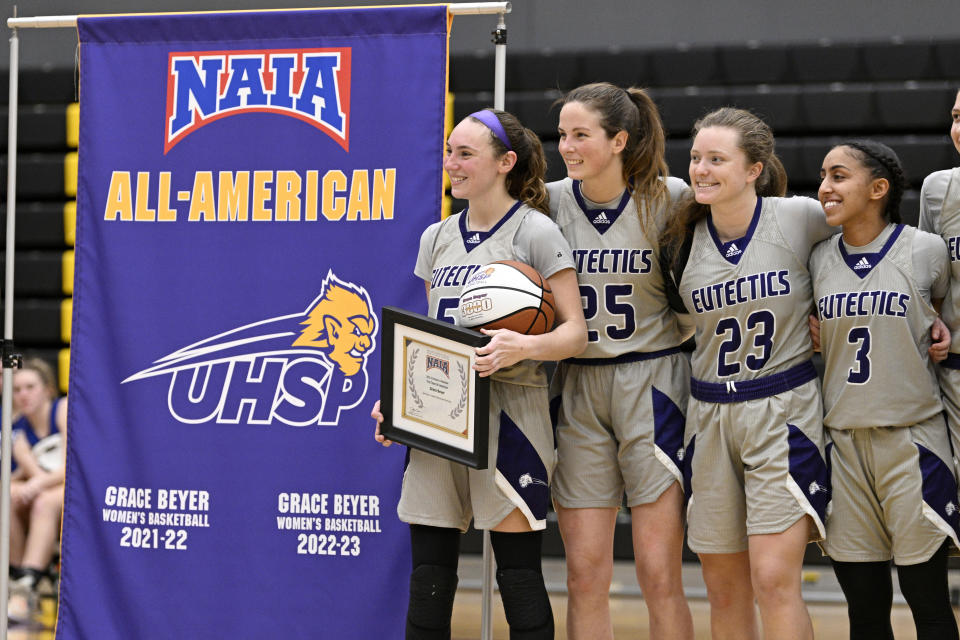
x=497, y=166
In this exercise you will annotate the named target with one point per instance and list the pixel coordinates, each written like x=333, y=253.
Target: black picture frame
x=451, y=351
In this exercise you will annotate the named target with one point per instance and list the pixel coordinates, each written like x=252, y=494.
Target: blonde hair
x=755, y=139
x=44, y=371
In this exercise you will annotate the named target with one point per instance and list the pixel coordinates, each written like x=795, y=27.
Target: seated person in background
x=36, y=488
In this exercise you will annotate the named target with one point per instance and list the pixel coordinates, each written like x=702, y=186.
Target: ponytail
x=757, y=143
x=643, y=157
x=525, y=180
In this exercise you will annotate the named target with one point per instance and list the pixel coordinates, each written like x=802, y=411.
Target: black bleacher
x=41, y=237
x=813, y=94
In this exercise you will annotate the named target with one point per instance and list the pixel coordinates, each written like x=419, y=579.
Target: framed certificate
x=430, y=396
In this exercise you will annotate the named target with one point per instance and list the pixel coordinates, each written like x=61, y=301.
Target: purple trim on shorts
x=952, y=361
x=939, y=487
x=687, y=468
x=809, y=470
x=522, y=467
x=739, y=391
x=633, y=356
x=492, y=122
x=668, y=426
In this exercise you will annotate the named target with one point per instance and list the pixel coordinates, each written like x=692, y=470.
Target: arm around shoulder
x=931, y=199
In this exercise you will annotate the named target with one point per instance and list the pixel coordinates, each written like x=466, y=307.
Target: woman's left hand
x=941, y=341
x=504, y=349
x=27, y=491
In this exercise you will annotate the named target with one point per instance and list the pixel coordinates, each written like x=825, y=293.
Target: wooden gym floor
x=629, y=613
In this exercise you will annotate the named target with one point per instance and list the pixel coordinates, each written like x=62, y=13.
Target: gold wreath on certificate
x=431, y=398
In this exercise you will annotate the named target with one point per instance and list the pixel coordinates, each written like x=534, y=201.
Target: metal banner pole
x=5, y=433
x=499, y=91
x=48, y=22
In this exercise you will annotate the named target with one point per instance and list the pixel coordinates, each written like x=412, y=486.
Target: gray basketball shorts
x=950, y=392
x=620, y=428
x=443, y=493
x=756, y=467
x=894, y=493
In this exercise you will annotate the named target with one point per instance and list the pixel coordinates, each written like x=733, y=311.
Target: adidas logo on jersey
x=601, y=218
x=950, y=509
x=863, y=264
x=474, y=239
x=734, y=250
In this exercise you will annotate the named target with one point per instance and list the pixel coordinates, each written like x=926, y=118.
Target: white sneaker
x=21, y=606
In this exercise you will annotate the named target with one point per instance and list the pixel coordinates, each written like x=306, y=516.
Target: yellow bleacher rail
x=70, y=223
x=63, y=369
x=66, y=316
x=67, y=272
x=70, y=174
x=73, y=125
x=447, y=128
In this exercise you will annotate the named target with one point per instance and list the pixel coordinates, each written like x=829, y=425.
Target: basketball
x=507, y=295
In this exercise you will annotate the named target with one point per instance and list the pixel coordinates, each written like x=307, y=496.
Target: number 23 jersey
x=749, y=298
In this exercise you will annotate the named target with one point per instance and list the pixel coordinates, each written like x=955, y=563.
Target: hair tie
x=492, y=122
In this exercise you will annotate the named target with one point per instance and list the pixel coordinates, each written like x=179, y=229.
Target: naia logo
x=299, y=369
x=312, y=85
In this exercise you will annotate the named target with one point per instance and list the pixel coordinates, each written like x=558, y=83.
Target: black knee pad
x=526, y=604
x=432, y=589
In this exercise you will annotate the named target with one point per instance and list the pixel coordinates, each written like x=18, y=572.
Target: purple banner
x=252, y=188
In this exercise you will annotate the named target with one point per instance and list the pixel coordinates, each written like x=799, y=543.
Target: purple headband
x=490, y=119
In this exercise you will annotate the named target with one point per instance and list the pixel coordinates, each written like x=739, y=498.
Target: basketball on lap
x=507, y=295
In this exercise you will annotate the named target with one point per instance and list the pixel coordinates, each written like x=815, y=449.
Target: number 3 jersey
x=450, y=253
x=623, y=292
x=875, y=317
x=750, y=297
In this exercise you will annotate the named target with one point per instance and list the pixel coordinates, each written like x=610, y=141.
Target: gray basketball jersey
x=749, y=298
x=875, y=318
x=940, y=214
x=450, y=253
x=623, y=293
